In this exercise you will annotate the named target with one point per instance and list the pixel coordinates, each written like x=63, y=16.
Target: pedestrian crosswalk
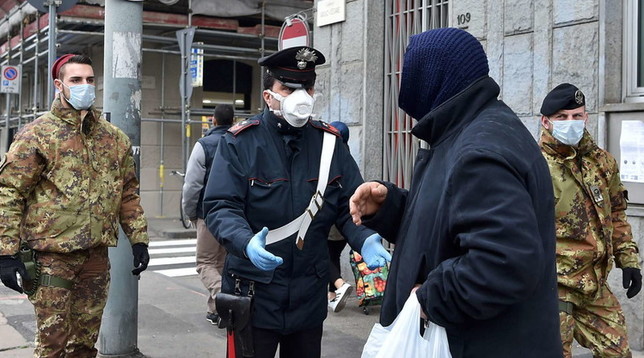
x=173, y=258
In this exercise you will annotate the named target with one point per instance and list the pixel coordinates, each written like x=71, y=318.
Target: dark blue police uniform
x=264, y=174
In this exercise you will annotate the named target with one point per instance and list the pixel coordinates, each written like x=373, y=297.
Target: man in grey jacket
x=210, y=254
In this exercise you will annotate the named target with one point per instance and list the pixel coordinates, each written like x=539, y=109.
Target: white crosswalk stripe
x=173, y=258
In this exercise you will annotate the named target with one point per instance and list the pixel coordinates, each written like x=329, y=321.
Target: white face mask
x=568, y=132
x=296, y=108
x=81, y=96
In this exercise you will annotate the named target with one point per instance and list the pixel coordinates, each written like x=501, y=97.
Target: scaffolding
x=82, y=27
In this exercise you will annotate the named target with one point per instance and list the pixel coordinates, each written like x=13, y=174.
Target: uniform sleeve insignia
x=239, y=127
x=326, y=127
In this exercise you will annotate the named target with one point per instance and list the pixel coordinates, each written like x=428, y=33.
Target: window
x=634, y=50
x=403, y=19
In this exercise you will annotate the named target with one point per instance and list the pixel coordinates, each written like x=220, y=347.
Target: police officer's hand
x=9, y=266
x=366, y=200
x=256, y=252
x=373, y=253
x=632, y=279
x=141, y=258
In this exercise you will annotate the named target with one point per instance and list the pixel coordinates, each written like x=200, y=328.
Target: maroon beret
x=55, y=68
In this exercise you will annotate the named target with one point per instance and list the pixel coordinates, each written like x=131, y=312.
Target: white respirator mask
x=295, y=108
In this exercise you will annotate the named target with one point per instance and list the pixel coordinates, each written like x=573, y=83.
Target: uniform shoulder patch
x=326, y=127
x=239, y=127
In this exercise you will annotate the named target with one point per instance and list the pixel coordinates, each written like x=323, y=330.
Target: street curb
x=179, y=233
x=11, y=339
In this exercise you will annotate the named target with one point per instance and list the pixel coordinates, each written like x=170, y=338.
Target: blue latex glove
x=258, y=255
x=373, y=253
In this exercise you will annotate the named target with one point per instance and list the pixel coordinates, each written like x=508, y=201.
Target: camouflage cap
x=564, y=96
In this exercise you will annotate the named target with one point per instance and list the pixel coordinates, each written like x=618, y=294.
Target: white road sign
x=10, y=82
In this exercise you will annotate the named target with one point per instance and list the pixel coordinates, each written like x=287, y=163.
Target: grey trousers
x=210, y=262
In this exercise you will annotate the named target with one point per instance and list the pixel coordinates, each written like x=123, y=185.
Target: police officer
x=66, y=183
x=268, y=169
x=591, y=227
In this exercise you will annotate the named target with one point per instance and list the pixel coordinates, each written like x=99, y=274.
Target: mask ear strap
x=280, y=99
x=63, y=92
x=277, y=96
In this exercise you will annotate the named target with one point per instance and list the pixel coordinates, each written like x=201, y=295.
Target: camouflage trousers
x=597, y=324
x=68, y=321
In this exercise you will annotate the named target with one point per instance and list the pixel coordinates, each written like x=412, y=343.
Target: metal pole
x=189, y=13
x=8, y=97
x=36, y=69
x=261, y=53
x=235, y=83
x=22, y=49
x=184, y=105
x=162, y=136
x=122, y=100
x=51, y=55
x=6, y=122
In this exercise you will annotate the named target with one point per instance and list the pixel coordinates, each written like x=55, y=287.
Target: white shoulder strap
x=301, y=223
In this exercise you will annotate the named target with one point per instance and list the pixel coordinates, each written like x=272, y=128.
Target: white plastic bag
x=402, y=338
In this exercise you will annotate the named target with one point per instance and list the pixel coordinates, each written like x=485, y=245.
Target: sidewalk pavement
x=171, y=317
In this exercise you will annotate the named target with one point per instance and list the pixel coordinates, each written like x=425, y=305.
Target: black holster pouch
x=28, y=257
x=234, y=314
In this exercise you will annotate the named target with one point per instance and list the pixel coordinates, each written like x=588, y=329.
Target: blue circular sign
x=10, y=73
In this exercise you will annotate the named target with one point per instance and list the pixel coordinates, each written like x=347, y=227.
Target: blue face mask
x=568, y=132
x=81, y=96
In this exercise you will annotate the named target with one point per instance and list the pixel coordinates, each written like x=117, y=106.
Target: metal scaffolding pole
x=22, y=51
x=261, y=52
x=8, y=98
x=36, y=69
x=122, y=103
x=52, y=49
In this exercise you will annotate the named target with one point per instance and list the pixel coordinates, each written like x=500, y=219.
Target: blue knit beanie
x=439, y=64
x=344, y=130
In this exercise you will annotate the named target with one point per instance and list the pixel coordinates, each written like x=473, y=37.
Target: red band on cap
x=59, y=63
x=291, y=69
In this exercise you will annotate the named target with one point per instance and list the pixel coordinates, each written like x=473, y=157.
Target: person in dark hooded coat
x=475, y=237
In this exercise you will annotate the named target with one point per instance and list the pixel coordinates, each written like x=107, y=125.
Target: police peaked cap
x=294, y=66
x=564, y=96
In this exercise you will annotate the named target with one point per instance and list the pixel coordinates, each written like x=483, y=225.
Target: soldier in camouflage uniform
x=592, y=231
x=66, y=183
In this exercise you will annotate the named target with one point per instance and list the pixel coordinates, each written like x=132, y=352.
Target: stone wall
x=350, y=83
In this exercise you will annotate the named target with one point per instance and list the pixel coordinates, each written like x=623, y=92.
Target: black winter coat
x=477, y=231
x=265, y=175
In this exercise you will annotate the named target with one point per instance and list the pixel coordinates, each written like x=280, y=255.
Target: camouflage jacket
x=590, y=204
x=66, y=183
